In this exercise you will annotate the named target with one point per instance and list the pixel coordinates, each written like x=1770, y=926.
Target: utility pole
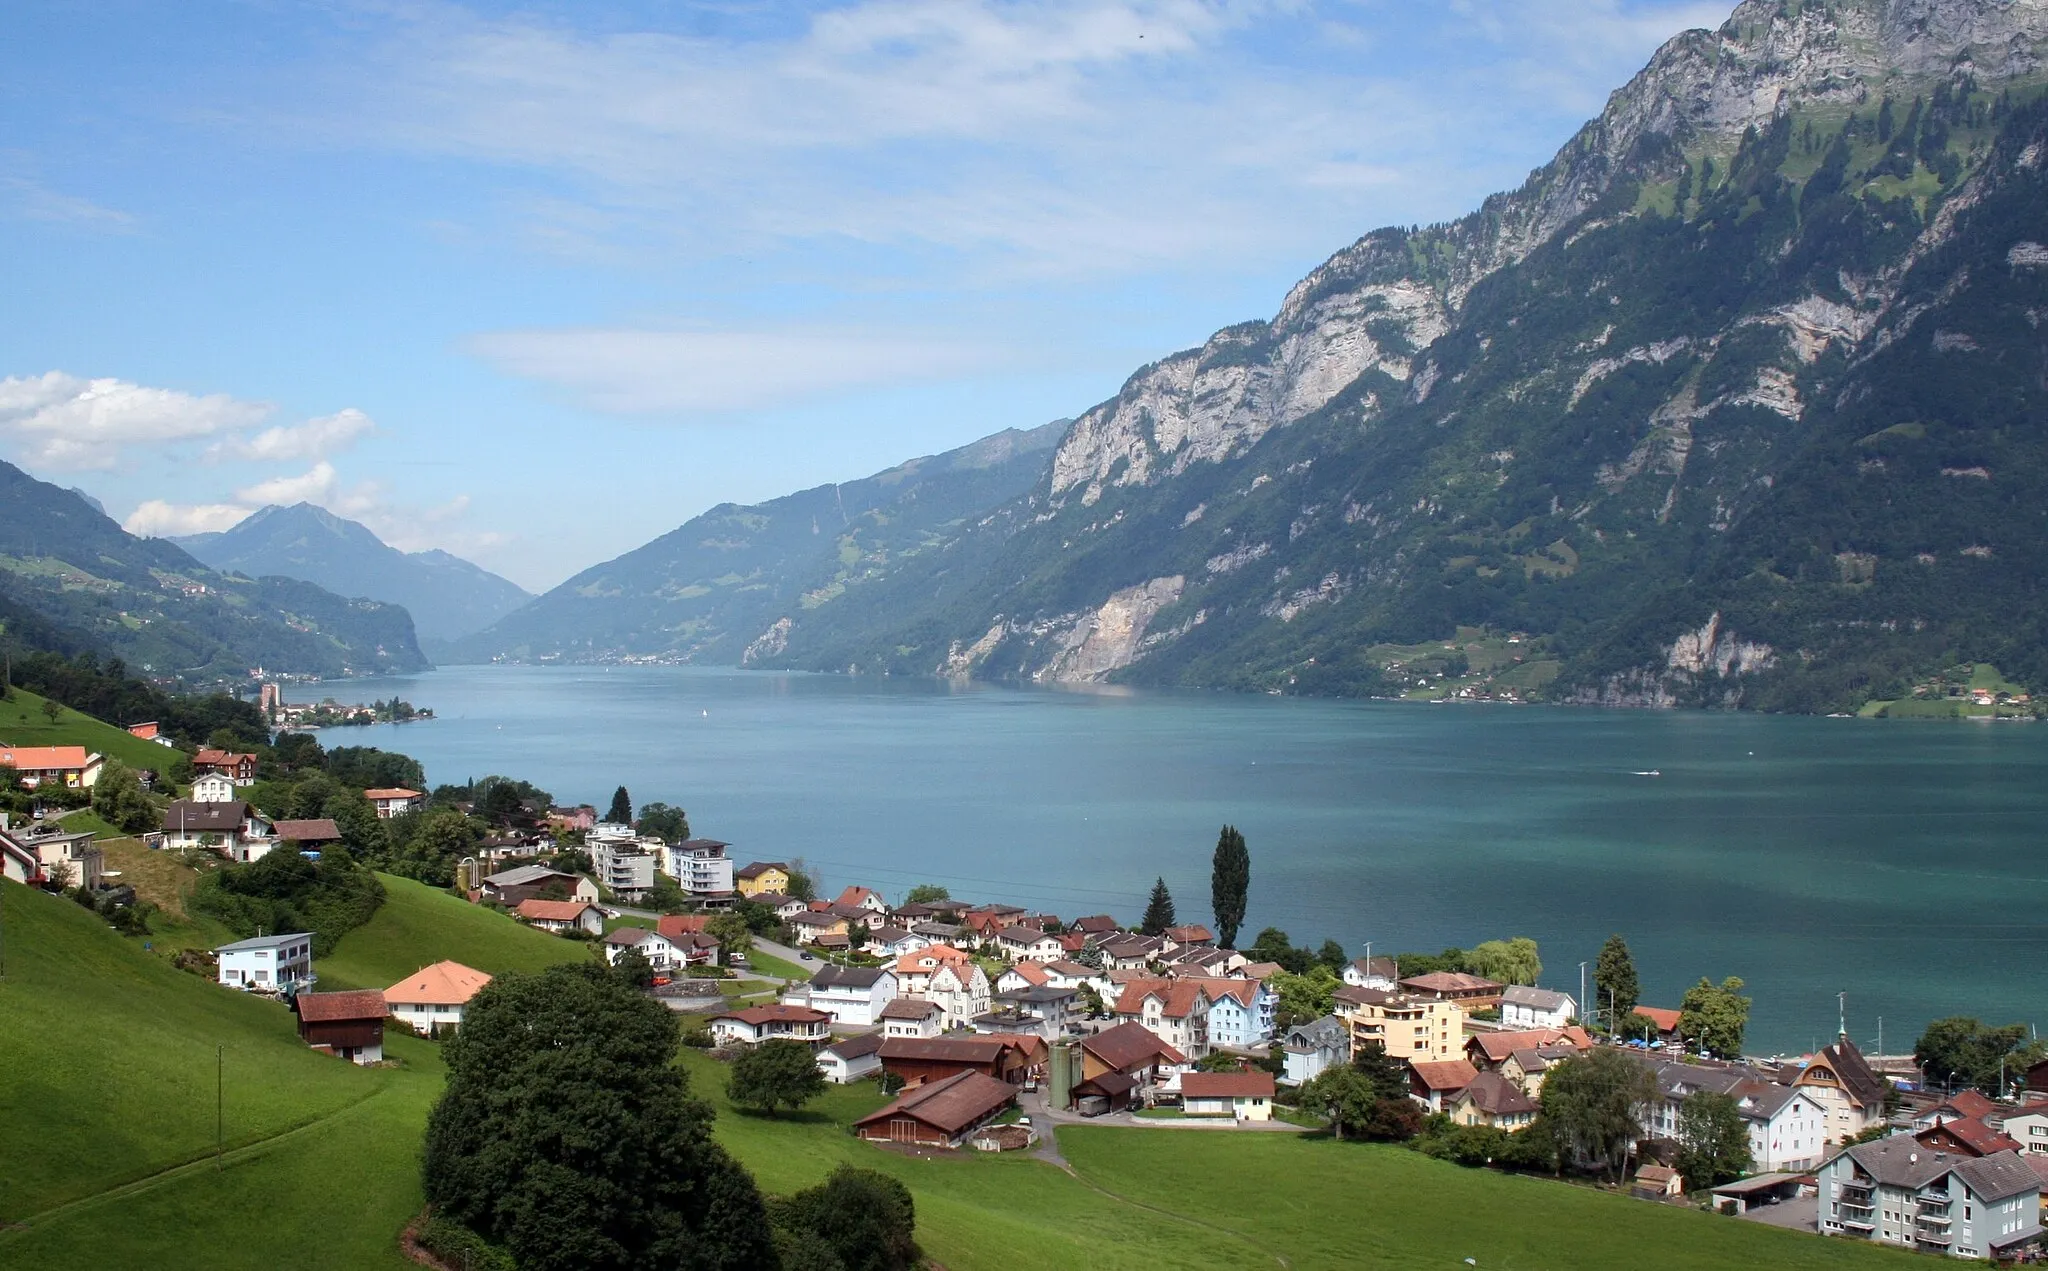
x=220, y=1104
x=1583, y=1003
x=1842, y=1015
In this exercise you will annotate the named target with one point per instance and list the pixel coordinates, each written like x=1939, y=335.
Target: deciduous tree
x=1714, y=1016
x=1230, y=881
x=732, y=933
x=670, y=825
x=775, y=1074
x=567, y=1134
x=119, y=800
x=1713, y=1139
x=1590, y=1103
x=864, y=1217
x=1962, y=1051
x=926, y=894
x=1512, y=961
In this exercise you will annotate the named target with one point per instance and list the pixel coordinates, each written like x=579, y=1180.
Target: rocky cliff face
x=1569, y=412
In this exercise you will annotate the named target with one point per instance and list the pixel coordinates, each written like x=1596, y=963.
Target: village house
x=912, y=1017
x=1787, y=1127
x=431, y=1000
x=1896, y=1191
x=151, y=731
x=72, y=767
x=1191, y=933
x=2028, y=1126
x=1843, y=1083
x=756, y=1024
x=582, y=817
x=787, y=907
x=1029, y=944
x=920, y=1060
x=893, y=942
x=1097, y=925
x=661, y=953
x=1434, y=1083
x=76, y=857
x=948, y=977
x=1470, y=992
x=1313, y=1048
x=1491, y=1099
x=1023, y=975
x=236, y=767
x=1247, y=1096
x=1066, y=974
x=1493, y=1050
x=267, y=964
x=1404, y=1026
x=863, y=898
x=347, y=1025
x=1956, y=1107
x=1123, y=1065
x=1241, y=1012
x=527, y=882
x=18, y=864
x=1372, y=973
x=561, y=916
x=812, y=925
x=701, y=868
x=395, y=801
x=941, y=1113
x=1175, y=1011
x=762, y=878
x=1657, y=1182
x=852, y=995
x=1041, y=1011
x=212, y=787
x=237, y=829
x=1525, y=1007
x=1130, y=952
x=1528, y=1066
x=851, y=1058
x=1965, y=1136
x=1202, y=960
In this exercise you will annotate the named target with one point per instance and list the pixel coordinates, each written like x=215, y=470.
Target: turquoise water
x=1899, y=862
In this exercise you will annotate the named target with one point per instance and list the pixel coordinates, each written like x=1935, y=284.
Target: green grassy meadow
x=22, y=723
x=418, y=925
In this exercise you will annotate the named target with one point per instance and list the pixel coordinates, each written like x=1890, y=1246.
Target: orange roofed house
x=431, y=999
x=72, y=767
x=562, y=915
x=395, y=801
x=236, y=767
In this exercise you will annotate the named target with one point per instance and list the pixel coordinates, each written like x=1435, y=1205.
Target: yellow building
x=763, y=878
x=1406, y=1027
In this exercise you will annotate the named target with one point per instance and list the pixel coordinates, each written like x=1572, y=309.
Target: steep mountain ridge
x=448, y=597
x=77, y=582
x=712, y=589
x=1533, y=417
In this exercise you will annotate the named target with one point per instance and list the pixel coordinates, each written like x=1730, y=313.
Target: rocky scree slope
x=1600, y=408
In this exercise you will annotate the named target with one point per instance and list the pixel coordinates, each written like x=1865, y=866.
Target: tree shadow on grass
x=802, y=1116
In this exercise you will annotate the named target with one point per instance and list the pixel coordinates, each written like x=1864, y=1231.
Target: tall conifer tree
x=1230, y=882
x=1158, y=911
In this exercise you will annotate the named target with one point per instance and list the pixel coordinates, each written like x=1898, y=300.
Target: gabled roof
x=1244, y=992
x=1191, y=933
x=630, y=936
x=676, y=926
x=1368, y=968
x=1129, y=1044
x=776, y=1013
x=393, y=792
x=952, y=1050
x=442, y=984
x=1444, y=1075
x=1967, y=1103
x=1976, y=1137
x=909, y=1008
x=854, y=895
x=849, y=977
x=1095, y=924
x=1226, y=1085
x=1498, y=1046
x=206, y=818
x=1021, y=934
x=1492, y=1093
x=855, y=1046
x=1449, y=982
x=220, y=758
x=951, y=1106
x=1073, y=970
x=758, y=868
x=318, y=830
x=354, y=1005
x=1537, y=999
x=1032, y=973
x=42, y=758
x=1998, y=1176
x=1855, y=1072
x=1178, y=999
x=553, y=910
x=887, y=935
x=1664, y=1018
x=816, y=918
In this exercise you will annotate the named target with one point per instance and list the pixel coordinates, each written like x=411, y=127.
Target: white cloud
x=158, y=519
x=69, y=422
x=315, y=485
x=316, y=438
x=704, y=371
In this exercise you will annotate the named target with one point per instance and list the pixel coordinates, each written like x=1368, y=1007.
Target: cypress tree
x=1230, y=881
x=1158, y=911
x=1614, y=976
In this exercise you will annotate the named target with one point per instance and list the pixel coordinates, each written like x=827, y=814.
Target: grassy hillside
x=418, y=925
x=22, y=723
x=111, y=1061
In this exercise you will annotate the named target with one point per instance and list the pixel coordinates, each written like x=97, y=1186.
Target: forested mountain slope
x=718, y=584
x=447, y=596
x=73, y=581
x=1736, y=401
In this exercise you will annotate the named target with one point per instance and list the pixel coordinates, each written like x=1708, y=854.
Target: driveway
x=1802, y=1214
x=1042, y=1112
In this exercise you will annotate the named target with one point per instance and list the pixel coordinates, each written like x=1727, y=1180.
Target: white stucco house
x=851, y=1058
x=267, y=964
x=1525, y=1007
x=852, y=996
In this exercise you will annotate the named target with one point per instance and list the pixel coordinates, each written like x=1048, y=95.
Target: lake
x=1899, y=862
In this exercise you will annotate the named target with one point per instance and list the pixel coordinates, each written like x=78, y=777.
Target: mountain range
x=447, y=596
x=74, y=582
x=1736, y=401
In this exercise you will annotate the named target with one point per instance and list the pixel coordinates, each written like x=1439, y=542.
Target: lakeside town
x=988, y=1024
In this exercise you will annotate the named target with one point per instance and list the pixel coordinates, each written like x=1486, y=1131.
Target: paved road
x=782, y=951
x=1043, y=1114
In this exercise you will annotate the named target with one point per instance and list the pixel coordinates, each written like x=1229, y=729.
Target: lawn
x=418, y=925
x=1409, y=1210
x=22, y=723
x=111, y=1057
x=768, y=964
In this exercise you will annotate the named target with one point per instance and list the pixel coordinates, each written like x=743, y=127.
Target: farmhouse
x=562, y=915
x=941, y=1113
x=921, y=1060
x=347, y=1025
x=431, y=999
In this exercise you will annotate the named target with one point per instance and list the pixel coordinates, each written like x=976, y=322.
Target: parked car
x=807, y=957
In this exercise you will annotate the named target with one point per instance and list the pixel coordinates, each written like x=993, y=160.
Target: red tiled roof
x=676, y=926
x=395, y=792
x=1030, y=972
x=220, y=758
x=1450, y=982
x=759, y=1015
x=1226, y=1085
x=553, y=910
x=1968, y=1103
x=1177, y=998
x=356, y=1004
x=1665, y=1020
x=442, y=984
x=1129, y=1044
x=1498, y=1046
x=1445, y=1075
x=42, y=758
x=1973, y=1134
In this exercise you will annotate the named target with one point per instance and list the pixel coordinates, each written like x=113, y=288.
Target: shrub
x=458, y=1246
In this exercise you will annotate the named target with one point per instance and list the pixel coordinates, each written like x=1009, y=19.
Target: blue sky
x=536, y=284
